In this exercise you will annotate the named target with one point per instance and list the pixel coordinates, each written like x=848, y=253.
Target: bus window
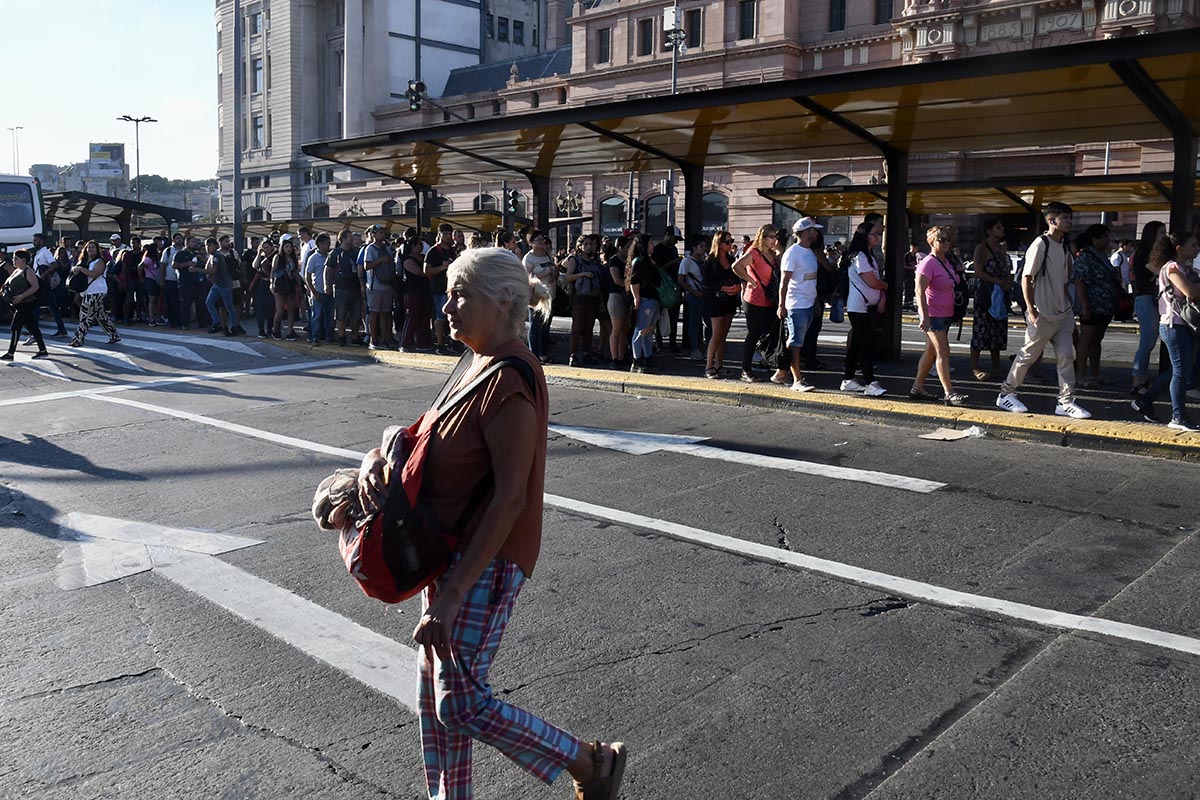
x=20, y=210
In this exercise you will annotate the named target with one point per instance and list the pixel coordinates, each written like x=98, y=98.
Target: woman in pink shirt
x=936, y=279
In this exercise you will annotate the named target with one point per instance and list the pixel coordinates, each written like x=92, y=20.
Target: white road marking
x=96, y=354
x=169, y=350
x=375, y=660
x=161, y=382
x=110, y=549
x=904, y=587
x=232, y=427
x=215, y=340
x=637, y=443
x=835, y=339
x=43, y=366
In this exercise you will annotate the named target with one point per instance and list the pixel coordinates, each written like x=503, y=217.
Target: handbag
x=669, y=293
x=78, y=282
x=961, y=300
x=400, y=550
x=998, y=309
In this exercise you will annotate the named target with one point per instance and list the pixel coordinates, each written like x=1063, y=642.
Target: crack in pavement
x=331, y=765
x=759, y=629
x=80, y=687
x=906, y=752
x=784, y=541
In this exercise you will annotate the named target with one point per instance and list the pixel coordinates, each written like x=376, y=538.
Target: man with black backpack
x=1049, y=315
x=347, y=289
x=216, y=268
x=379, y=277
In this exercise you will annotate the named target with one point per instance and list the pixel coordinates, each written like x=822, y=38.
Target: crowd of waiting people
x=633, y=299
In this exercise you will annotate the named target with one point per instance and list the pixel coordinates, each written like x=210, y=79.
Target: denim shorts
x=439, y=302
x=939, y=324
x=798, y=320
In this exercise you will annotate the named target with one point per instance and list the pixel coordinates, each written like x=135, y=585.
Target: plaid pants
x=456, y=703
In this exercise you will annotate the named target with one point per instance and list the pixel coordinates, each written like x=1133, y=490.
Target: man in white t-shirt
x=798, y=293
x=1049, y=315
x=539, y=263
x=46, y=266
x=1121, y=260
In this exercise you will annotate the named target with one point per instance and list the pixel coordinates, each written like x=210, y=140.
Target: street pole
x=137, y=149
x=237, y=123
x=16, y=148
x=673, y=30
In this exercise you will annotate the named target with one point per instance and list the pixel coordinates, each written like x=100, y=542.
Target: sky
x=87, y=63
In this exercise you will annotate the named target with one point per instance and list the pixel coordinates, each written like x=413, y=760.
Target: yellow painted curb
x=1137, y=437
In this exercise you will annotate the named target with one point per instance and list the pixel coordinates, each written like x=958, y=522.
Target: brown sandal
x=603, y=787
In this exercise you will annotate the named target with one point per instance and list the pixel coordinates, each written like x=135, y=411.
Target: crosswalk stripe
x=169, y=350
x=95, y=354
x=43, y=366
x=219, y=342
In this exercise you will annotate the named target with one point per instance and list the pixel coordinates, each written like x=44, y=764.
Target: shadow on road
x=38, y=452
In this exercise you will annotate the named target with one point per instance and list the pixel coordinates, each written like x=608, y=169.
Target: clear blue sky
x=72, y=67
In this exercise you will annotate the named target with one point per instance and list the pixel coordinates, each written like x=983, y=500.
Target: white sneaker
x=852, y=385
x=1072, y=410
x=801, y=386
x=1009, y=402
x=874, y=390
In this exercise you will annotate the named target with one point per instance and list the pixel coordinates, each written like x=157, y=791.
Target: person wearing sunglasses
x=759, y=268
x=936, y=279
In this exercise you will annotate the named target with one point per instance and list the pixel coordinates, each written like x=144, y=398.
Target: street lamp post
x=16, y=149
x=137, y=149
x=676, y=38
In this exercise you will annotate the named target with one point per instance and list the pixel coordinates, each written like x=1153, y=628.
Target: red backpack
x=400, y=550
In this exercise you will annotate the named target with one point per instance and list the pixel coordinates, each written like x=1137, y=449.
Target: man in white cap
x=798, y=293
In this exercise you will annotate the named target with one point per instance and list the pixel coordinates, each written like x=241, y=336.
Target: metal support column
x=693, y=199
x=424, y=195
x=895, y=247
x=540, y=187
x=1183, y=181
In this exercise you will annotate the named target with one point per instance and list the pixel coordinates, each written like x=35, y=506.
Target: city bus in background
x=21, y=213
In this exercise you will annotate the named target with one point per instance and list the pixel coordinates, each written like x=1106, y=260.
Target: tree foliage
x=157, y=184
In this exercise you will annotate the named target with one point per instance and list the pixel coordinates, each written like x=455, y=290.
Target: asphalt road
x=729, y=674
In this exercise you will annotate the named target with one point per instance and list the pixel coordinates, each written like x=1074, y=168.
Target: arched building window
x=783, y=217
x=256, y=214
x=656, y=215
x=714, y=214
x=410, y=207
x=613, y=216
x=390, y=207
x=835, y=227
x=485, y=202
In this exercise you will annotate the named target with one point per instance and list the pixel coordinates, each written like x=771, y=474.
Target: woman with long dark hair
x=865, y=307
x=148, y=286
x=723, y=289
x=284, y=269
x=21, y=289
x=92, y=307
x=1176, y=282
x=1097, y=286
x=1145, y=303
x=759, y=268
x=642, y=280
x=992, y=269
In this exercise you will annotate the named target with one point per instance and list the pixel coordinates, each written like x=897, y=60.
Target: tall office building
x=318, y=69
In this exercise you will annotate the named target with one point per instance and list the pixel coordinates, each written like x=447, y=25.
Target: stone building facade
x=617, y=51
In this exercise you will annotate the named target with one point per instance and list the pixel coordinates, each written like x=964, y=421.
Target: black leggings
x=860, y=347
x=25, y=315
x=758, y=318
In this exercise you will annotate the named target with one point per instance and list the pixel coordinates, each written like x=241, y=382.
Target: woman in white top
x=1177, y=283
x=865, y=306
x=91, y=300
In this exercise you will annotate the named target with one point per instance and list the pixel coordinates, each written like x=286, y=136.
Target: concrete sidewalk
x=1114, y=426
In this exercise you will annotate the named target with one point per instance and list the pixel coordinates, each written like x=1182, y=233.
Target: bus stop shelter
x=93, y=214
x=1130, y=89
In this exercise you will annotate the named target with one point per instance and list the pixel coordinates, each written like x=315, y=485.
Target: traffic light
x=415, y=90
x=512, y=199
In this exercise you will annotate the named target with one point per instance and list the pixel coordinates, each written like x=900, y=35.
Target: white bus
x=20, y=210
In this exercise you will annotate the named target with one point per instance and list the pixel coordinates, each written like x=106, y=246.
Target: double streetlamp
x=137, y=149
x=16, y=149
